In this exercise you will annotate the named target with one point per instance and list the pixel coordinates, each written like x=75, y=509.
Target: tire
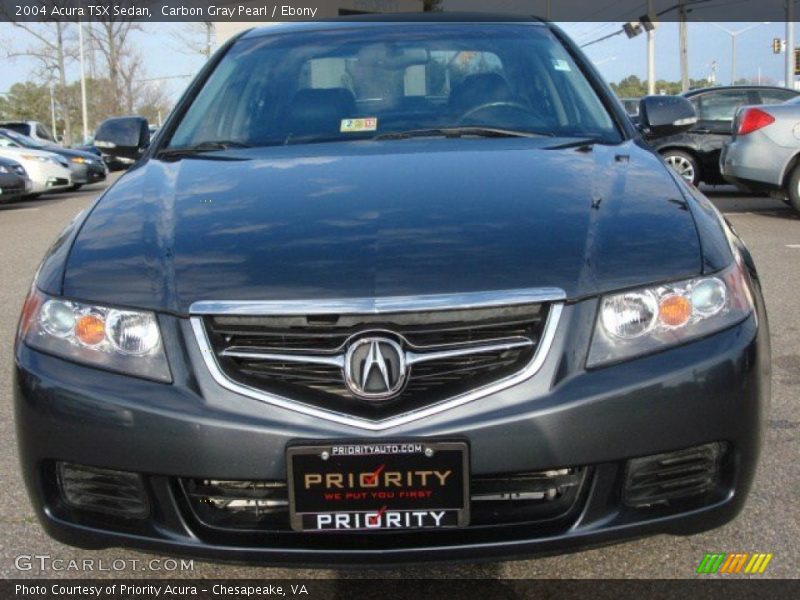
x=75, y=187
x=684, y=164
x=794, y=189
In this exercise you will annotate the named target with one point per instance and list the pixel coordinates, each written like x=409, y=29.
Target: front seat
x=319, y=111
x=477, y=90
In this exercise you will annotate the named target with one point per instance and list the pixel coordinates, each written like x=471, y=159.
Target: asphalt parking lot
x=770, y=522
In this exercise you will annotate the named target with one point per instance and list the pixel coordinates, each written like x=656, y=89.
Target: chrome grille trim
x=538, y=359
x=374, y=306
x=411, y=357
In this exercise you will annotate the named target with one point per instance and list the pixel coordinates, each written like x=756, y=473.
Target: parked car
x=355, y=306
x=695, y=154
x=111, y=162
x=48, y=172
x=33, y=129
x=86, y=168
x=14, y=182
x=764, y=152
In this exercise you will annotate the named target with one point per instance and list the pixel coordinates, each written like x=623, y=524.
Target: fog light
x=118, y=493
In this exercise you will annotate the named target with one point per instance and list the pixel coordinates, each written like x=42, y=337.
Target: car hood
x=70, y=153
x=376, y=219
x=16, y=153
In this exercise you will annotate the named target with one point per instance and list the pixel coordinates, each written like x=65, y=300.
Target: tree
x=111, y=38
x=196, y=38
x=53, y=48
x=26, y=101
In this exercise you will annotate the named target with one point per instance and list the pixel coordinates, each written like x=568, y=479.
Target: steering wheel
x=496, y=104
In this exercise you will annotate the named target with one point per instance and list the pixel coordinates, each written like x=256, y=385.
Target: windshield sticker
x=559, y=64
x=359, y=125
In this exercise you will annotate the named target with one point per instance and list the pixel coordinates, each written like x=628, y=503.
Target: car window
x=43, y=132
x=18, y=127
x=21, y=140
x=720, y=106
x=351, y=84
x=776, y=96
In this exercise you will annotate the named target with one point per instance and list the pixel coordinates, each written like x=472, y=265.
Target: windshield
x=366, y=82
x=17, y=139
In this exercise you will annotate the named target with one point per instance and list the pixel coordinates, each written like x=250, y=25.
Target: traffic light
x=647, y=22
x=632, y=28
x=797, y=61
x=777, y=45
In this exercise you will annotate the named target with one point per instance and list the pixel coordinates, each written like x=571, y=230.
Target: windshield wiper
x=457, y=132
x=203, y=148
x=577, y=143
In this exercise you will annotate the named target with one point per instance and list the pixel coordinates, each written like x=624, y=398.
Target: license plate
x=378, y=485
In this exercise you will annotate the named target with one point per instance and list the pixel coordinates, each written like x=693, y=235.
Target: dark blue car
x=392, y=291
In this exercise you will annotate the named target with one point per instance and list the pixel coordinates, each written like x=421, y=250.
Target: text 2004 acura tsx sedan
x=392, y=291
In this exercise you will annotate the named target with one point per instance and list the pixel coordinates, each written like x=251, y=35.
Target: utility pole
x=84, y=109
x=651, y=53
x=790, y=44
x=548, y=9
x=53, y=110
x=683, y=35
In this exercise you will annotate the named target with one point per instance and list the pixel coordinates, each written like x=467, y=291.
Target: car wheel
x=76, y=187
x=794, y=189
x=684, y=165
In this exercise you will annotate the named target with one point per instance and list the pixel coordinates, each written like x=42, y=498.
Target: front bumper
x=84, y=174
x=711, y=390
x=47, y=177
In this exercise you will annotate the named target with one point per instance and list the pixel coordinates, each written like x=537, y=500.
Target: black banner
x=396, y=589
x=221, y=11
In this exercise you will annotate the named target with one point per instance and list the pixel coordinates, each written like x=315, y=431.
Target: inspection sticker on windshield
x=359, y=125
x=559, y=64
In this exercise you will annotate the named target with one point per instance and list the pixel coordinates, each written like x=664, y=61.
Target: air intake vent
x=230, y=504
x=117, y=493
x=664, y=478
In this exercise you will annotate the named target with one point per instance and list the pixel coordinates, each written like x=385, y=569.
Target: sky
x=616, y=58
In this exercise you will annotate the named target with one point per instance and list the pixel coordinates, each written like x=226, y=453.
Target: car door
x=715, y=112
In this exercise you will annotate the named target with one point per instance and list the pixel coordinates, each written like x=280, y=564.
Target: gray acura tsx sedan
x=392, y=291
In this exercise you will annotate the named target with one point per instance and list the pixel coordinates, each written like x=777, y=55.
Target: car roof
x=371, y=20
x=718, y=88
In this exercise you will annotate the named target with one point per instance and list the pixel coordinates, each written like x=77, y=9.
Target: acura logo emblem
x=375, y=368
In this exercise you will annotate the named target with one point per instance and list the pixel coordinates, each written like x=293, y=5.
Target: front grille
x=256, y=505
x=303, y=357
x=662, y=479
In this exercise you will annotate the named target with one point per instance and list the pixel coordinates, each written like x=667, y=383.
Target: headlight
x=127, y=341
x=646, y=320
x=4, y=169
x=40, y=158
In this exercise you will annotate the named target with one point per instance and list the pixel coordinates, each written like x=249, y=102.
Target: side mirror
x=661, y=116
x=123, y=137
